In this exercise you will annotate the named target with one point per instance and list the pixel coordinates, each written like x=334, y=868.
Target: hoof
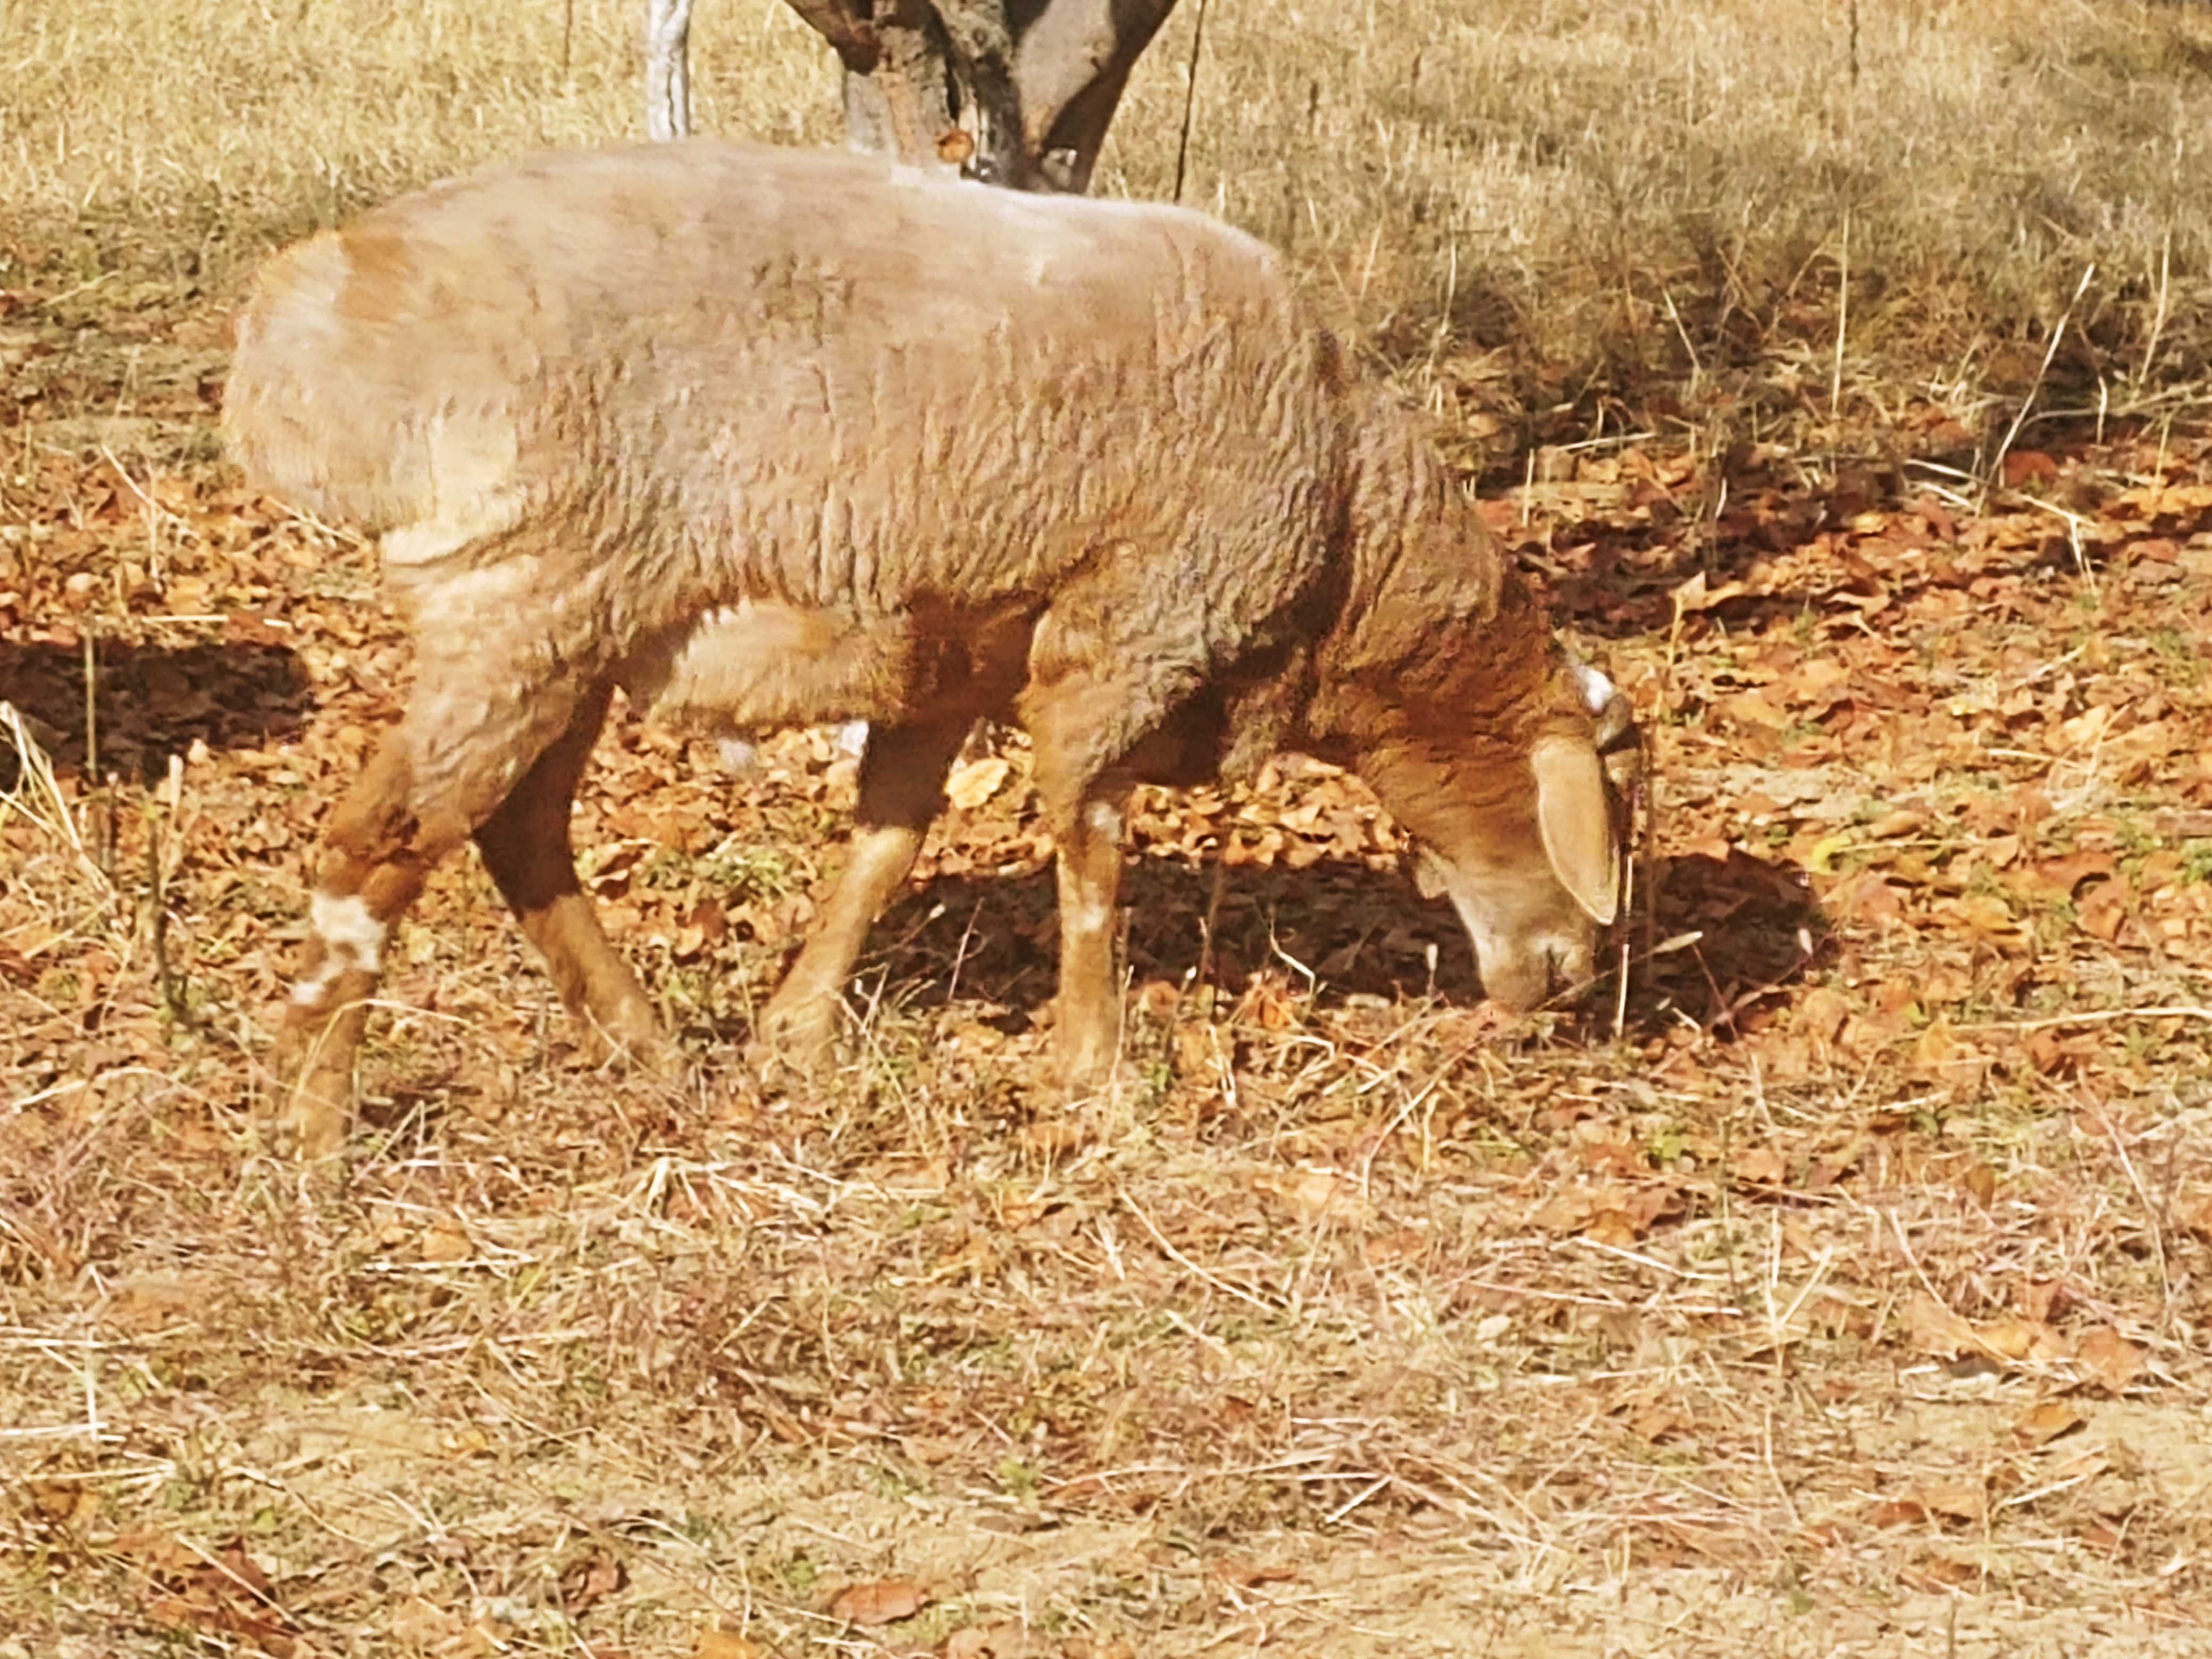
x=639, y=1046
x=801, y=1036
x=316, y=1115
x=316, y=1085
x=1097, y=1107
x=1116, y=1082
x=628, y=1033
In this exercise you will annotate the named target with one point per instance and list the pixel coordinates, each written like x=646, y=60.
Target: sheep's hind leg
x=435, y=777
x=902, y=790
x=525, y=845
x=1088, y=874
x=1085, y=771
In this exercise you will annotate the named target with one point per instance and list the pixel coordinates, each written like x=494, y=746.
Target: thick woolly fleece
x=597, y=404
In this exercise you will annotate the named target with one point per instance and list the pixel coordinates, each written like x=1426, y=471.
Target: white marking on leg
x=310, y=991
x=350, y=929
x=1597, y=690
x=352, y=938
x=1085, y=913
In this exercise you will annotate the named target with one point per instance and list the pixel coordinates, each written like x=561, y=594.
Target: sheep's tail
x=281, y=406
x=346, y=394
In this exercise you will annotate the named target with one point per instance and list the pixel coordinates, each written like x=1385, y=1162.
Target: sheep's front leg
x=525, y=845
x=438, y=775
x=902, y=788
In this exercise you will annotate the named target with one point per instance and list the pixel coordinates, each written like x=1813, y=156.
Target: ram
x=771, y=436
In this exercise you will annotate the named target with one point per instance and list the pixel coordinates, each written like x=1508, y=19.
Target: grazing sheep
x=779, y=437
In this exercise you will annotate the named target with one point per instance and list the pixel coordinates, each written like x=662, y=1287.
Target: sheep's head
x=1526, y=839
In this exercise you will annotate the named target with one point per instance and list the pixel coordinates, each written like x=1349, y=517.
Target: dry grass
x=1849, y=1300
x=1543, y=201
x=193, y=135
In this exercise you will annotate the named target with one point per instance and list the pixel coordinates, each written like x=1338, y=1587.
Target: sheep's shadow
x=150, y=702
x=1730, y=931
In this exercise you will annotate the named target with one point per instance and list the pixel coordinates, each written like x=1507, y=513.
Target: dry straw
x=1559, y=191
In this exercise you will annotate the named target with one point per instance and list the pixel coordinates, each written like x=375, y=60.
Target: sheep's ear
x=1576, y=819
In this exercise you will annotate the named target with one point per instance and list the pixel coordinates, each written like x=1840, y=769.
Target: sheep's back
x=808, y=374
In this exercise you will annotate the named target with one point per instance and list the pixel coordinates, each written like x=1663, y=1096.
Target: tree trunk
x=1019, y=91
x=1071, y=67
x=668, y=69
x=901, y=101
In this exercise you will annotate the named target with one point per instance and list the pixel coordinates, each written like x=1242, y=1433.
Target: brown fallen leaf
x=1938, y=1572
x=1760, y=1166
x=443, y=1243
x=1694, y=595
x=592, y=1580
x=879, y=1601
x=2040, y=1425
x=999, y=1641
x=1317, y=1195
x=1934, y=1328
x=728, y=1644
x=1248, y=1574
x=2027, y=466
x=2111, y=1358
x=1981, y=1184
x=971, y=784
x=1929, y=1500
x=2007, y=1336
